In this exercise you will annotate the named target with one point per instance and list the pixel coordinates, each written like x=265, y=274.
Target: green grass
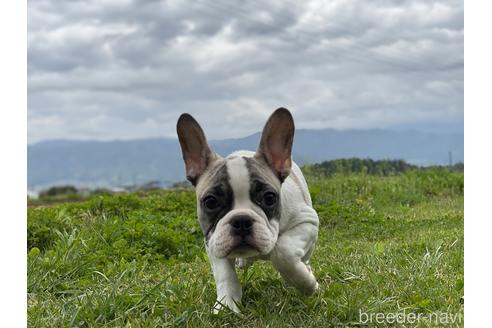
x=386, y=244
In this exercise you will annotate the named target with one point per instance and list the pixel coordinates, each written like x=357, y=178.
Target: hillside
x=116, y=163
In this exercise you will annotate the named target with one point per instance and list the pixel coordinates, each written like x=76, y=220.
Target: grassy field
x=386, y=245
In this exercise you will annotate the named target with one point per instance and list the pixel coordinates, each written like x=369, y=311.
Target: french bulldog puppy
x=252, y=205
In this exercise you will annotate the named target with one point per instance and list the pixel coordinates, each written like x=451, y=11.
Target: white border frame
x=478, y=197
x=13, y=136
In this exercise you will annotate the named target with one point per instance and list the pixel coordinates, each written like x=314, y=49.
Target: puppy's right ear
x=197, y=155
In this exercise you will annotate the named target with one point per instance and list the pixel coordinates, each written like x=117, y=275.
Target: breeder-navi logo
x=402, y=317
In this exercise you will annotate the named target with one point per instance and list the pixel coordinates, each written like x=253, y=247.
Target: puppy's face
x=238, y=202
x=238, y=197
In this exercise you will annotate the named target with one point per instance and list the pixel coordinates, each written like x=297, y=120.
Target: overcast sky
x=127, y=69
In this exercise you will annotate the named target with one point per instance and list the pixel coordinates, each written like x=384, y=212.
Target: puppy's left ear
x=275, y=146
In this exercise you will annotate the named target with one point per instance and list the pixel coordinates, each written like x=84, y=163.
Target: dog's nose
x=241, y=225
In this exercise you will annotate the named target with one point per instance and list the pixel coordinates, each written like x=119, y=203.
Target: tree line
x=368, y=166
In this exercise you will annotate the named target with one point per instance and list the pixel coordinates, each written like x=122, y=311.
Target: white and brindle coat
x=252, y=205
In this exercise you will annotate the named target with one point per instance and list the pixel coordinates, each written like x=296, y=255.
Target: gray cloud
x=127, y=69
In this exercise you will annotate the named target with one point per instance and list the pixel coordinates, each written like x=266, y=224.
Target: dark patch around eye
x=259, y=192
x=223, y=194
x=259, y=188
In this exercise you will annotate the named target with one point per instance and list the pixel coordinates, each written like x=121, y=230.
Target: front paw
x=309, y=291
x=225, y=302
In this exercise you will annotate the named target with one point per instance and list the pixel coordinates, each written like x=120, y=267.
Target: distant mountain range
x=124, y=162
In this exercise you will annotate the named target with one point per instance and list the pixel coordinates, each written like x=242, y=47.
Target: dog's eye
x=269, y=198
x=211, y=203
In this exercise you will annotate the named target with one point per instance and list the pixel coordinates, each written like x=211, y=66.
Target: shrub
x=58, y=190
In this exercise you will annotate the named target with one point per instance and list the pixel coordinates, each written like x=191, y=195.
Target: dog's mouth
x=243, y=247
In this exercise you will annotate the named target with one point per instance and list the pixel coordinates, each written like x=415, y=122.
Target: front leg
x=291, y=257
x=229, y=291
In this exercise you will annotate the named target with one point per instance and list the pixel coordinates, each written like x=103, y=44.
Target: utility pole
x=450, y=158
